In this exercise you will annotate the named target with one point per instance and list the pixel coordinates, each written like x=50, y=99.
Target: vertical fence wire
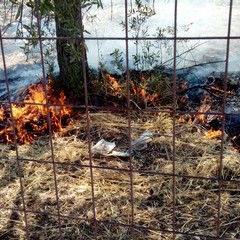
x=220, y=169
x=88, y=120
x=47, y=105
x=18, y=161
x=129, y=113
x=174, y=119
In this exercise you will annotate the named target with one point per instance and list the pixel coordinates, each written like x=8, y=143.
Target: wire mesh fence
x=150, y=150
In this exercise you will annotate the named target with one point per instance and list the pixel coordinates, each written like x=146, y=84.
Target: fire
x=30, y=119
x=185, y=119
x=140, y=91
x=1, y=114
x=220, y=90
x=212, y=134
x=114, y=84
x=206, y=105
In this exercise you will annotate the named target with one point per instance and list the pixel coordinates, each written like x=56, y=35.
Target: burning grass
x=196, y=199
x=31, y=117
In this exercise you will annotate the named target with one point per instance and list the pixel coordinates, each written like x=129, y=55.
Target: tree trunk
x=69, y=50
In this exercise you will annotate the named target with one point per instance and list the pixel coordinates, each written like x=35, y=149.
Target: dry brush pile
x=196, y=199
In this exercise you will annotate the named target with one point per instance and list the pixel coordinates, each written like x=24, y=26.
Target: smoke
x=197, y=18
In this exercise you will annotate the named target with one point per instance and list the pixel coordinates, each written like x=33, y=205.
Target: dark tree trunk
x=69, y=51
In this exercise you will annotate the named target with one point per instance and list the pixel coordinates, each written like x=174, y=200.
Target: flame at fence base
x=30, y=119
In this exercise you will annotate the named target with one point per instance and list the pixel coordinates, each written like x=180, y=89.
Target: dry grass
x=196, y=199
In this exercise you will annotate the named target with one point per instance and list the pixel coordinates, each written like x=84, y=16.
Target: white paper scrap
x=103, y=147
x=106, y=148
x=119, y=154
x=141, y=142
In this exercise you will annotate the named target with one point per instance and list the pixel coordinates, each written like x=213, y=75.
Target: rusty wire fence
x=181, y=185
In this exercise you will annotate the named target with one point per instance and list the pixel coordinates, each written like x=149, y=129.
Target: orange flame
x=185, y=119
x=212, y=134
x=220, y=90
x=114, y=84
x=206, y=105
x=138, y=91
x=134, y=88
x=30, y=119
x=1, y=113
x=182, y=120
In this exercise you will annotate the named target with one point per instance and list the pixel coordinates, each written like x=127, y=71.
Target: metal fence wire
x=151, y=149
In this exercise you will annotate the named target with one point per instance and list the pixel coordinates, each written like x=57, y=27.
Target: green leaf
x=14, y=1
x=100, y=5
x=87, y=32
x=19, y=11
x=26, y=27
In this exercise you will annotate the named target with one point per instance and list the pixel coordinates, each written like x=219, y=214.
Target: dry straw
x=196, y=199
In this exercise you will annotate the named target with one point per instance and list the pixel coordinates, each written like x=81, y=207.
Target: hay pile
x=196, y=199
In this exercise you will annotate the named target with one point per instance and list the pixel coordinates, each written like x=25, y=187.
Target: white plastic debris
x=106, y=148
x=119, y=154
x=103, y=147
x=141, y=142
